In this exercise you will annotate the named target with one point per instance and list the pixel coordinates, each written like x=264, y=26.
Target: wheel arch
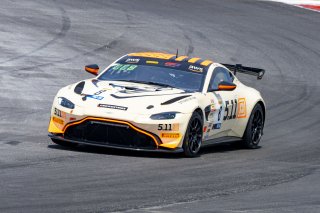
x=199, y=110
x=263, y=109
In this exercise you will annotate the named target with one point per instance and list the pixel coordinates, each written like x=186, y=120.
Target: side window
x=219, y=74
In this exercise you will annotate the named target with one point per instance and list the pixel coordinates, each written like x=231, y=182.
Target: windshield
x=154, y=75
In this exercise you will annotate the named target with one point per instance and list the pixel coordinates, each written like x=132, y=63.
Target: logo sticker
x=152, y=62
x=172, y=64
x=217, y=126
x=195, y=68
x=112, y=107
x=132, y=60
x=170, y=135
x=57, y=120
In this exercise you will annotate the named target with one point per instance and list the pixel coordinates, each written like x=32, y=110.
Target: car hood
x=126, y=97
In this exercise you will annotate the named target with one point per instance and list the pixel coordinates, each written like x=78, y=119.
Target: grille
x=110, y=134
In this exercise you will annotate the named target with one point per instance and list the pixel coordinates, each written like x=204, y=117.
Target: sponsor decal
x=217, y=126
x=113, y=107
x=152, y=62
x=59, y=113
x=172, y=64
x=124, y=67
x=57, y=120
x=94, y=96
x=168, y=127
x=170, y=135
x=132, y=60
x=204, y=128
x=212, y=107
x=195, y=68
x=242, y=110
x=97, y=97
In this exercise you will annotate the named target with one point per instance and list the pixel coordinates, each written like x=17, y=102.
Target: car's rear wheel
x=254, y=130
x=64, y=143
x=193, y=137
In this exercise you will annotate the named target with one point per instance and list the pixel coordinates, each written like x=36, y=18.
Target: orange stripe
x=180, y=58
x=153, y=55
x=194, y=60
x=206, y=62
x=113, y=121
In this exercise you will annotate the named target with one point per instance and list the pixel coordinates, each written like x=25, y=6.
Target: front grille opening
x=109, y=133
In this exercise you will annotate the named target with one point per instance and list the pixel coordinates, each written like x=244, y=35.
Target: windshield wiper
x=149, y=82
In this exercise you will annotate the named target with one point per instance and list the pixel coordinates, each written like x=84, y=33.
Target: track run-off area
x=44, y=45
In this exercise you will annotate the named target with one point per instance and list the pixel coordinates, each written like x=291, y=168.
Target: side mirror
x=92, y=68
x=226, y=86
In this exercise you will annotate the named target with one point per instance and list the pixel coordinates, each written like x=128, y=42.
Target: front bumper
x=159, y=149
x=109, y=133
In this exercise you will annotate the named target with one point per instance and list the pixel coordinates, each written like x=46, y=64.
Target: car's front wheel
x=254, y=130
x=193, y=137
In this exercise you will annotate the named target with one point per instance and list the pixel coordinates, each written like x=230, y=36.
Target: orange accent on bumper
x=53, y=128
x=113, y=121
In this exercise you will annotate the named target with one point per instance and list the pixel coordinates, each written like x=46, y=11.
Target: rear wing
x=246, y=70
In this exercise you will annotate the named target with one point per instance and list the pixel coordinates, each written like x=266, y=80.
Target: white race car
x=159, y=102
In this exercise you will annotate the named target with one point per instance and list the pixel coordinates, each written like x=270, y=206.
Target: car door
x=223, y=104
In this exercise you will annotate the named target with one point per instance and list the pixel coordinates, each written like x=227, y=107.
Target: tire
x=193, y=137
x=64, y=143
x=254, y=130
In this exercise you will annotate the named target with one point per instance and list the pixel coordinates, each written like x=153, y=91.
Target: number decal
x=165, y=127
x=234, y=108
x=219, y=115
x=59, y=113
x=168, y=127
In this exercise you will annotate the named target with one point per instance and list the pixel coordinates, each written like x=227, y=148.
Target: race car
x=159, y=102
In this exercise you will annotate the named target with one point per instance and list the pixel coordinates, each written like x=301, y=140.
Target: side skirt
x=225, y=139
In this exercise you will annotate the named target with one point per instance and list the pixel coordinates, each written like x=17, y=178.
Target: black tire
x=254, y=130
x=64, y=143
x=193, y=137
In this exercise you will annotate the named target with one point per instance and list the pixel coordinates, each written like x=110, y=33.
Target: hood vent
x=175, y=99
x=78, y=89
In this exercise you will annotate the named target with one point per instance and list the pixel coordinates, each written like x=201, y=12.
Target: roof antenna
x=177, y=53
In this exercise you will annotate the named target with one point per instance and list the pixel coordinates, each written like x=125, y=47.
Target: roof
x=172, y=57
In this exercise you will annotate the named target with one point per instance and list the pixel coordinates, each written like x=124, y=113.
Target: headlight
x=65, y=103
x=164, y=116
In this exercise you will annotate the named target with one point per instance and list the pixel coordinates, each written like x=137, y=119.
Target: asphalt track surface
x=44, y=46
